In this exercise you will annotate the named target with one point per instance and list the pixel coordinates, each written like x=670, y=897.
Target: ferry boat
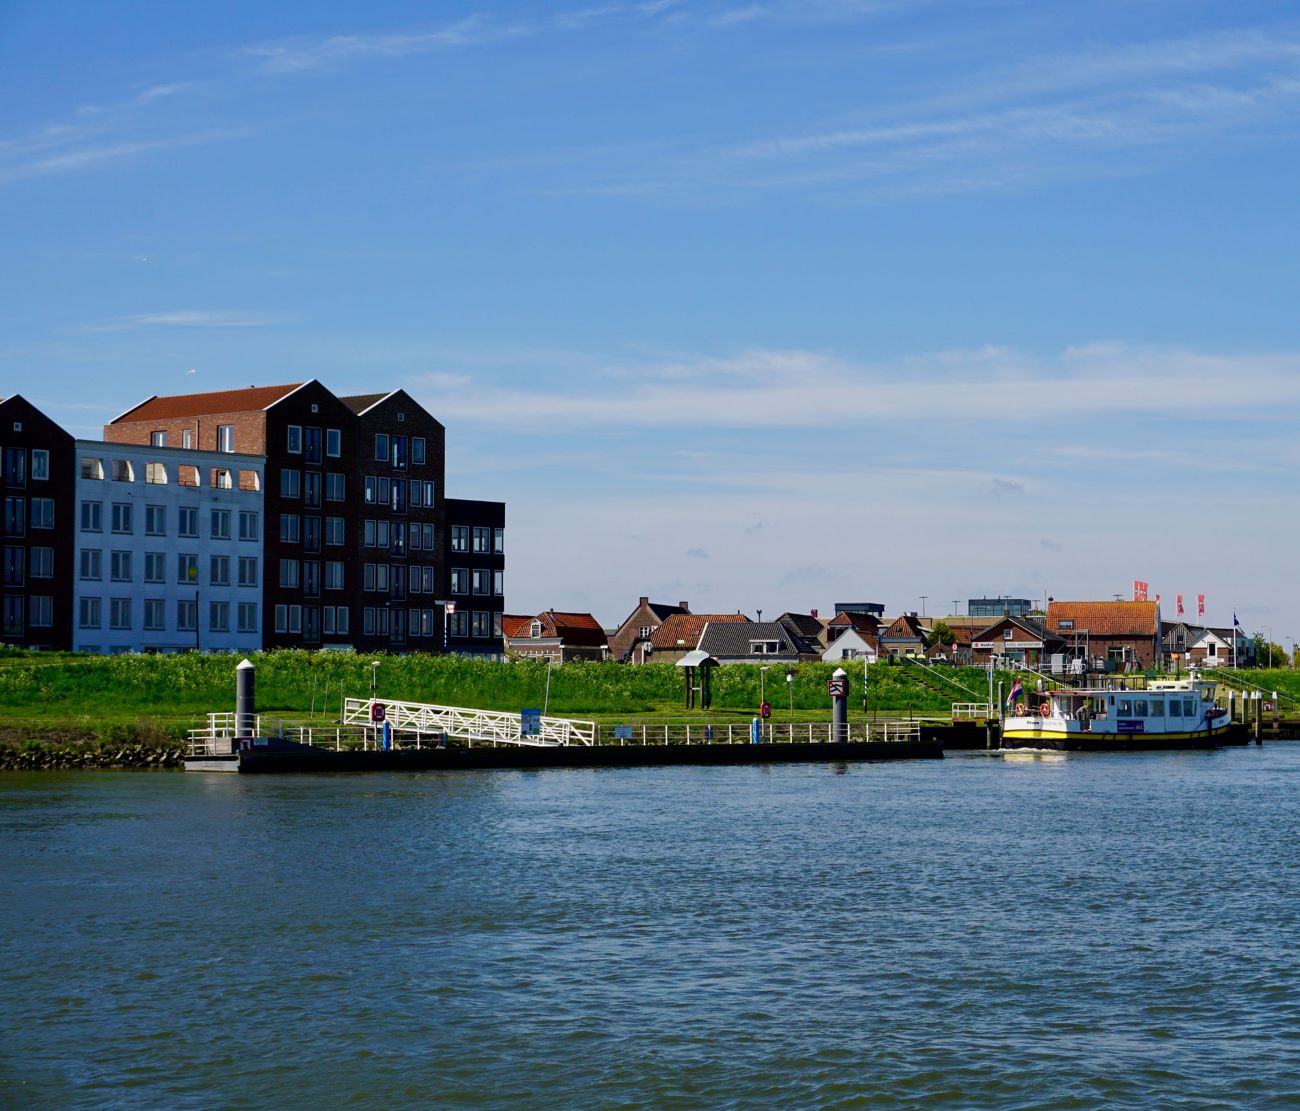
x=1176, y=713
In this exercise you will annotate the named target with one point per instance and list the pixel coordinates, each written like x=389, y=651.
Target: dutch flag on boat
x=1016, y=691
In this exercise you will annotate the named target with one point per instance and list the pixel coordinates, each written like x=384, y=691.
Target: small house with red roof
x=631, y=640
x=555, y=635
x=680, y=633
x=1126, y=635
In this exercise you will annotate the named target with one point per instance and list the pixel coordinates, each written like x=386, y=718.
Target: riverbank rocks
x=38, y=755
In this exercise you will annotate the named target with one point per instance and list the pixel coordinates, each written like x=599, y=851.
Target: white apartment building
x=169, y=553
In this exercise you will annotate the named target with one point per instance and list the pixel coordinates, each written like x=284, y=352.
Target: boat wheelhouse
x=1173, y=713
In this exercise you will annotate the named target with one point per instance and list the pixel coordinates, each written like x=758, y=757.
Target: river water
x=1078, y=931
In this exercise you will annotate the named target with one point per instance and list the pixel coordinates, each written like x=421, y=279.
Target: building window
x=481, y=581
x=92, y=467
x=187, y=439
x=187, y=568
x=458, y=624
x=426, y=579
x=311, y=489
x=89, y=614
x=499, y=586
x=247, y=617
x=333, y=443
x=155, y=474
x=311, y=578
x=482, y=538
x=499, y=541
x=42, y=563
x=155, y=520
x=155, y=614
x=122, y=518
x=225, y=437
x=294, y=443
x=187, y=521
x=15, y=463
x=41, y=612
x=16, y=517
x=222, y=479
x=221, y=524
x=381, y=447
x=40, y=468
x=289, y=574
x=335, y=486
x=120, y=567
x=459, y=538
x=459, y=580
x=290, y=483
x=187, y=616
x=311, y=445
x=417, y=450
x=247, y=525
x=482, y=623
x=219, y=617
x=91, y=567
x=334, y=575
x=248, y=570
x=290, y=528
x=281, y=619
x=42, y=512
x=14, y=563
x=219, y=570
x=123, y=471
x=92, y=516
x=119, y=613
x=334, y=531
x=155, y=567
x=158, y=439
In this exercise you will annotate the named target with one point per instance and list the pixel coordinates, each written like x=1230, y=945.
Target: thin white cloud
x=188, y=318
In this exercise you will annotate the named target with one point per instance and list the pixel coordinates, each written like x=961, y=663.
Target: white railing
x=492, y=726
x=972, y=711
x=215, y=737
x=771, y=732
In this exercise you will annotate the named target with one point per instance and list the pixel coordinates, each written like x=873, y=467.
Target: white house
x=169, y=549
x=850, y=645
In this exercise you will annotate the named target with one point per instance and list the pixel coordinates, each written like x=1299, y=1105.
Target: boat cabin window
x=1175, y=707
x=1139, y=707
x=1157, y=707
x=1126, y=707
x=1189, y=707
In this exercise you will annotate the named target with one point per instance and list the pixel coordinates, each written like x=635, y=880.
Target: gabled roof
x=730, y=639
x=906, y=626
x=251, y=400
x=1105, y=618
x=802, y=624
x=862, y=622
x=1034, y=628
x=515, y=625
x=359, y=403
x=661, y=610
x=573, y=628
x=686, y=628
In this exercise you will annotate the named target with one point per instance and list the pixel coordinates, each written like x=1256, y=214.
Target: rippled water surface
x=1071, y=932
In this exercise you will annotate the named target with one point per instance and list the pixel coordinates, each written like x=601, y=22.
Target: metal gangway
x=490, y=726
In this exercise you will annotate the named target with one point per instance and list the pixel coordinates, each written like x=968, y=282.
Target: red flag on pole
x=1200, y=605
x=1180, y=605
x=1139, y=590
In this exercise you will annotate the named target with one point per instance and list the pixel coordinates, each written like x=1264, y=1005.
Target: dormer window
x=92, y=468
x=1067, y=623
x=535, y=629
x=764, y=647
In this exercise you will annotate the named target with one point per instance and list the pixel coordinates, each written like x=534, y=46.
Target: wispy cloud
x=188, y=318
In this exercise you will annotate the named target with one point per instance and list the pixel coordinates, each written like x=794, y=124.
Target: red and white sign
x=1139, y=590
x=765, y=710
x=377, y=711
x=450, y=607
x=1200, y=605
x=1180, y=605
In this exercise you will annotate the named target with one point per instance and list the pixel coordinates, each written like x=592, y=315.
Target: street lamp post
x=374, y=678
x=789, y=682
x=762, y=683
x=923, y=598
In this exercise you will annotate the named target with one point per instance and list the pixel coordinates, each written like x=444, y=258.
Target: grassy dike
x=106, y=704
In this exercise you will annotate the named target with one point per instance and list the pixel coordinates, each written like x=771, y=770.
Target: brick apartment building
x=39, y=505
x=476, y=561
x=275, y=516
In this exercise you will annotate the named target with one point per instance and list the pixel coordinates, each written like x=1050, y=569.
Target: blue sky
x=753, y=304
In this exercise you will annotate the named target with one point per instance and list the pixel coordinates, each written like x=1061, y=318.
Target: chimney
x=684, y=605
x=643, y=601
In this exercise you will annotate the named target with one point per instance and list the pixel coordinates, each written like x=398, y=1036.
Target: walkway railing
x=491, y=726
x=214, y=738
x=771, y=732
x=972, y=711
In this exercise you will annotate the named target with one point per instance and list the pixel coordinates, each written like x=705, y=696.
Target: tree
x=940, y=634
x=1268, y=654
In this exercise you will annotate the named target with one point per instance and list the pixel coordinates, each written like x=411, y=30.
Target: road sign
x=530, y=723
x=377, y=711
x=838, y=688
x=765, y=710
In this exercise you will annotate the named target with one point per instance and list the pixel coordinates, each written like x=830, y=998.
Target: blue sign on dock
x=530, y=723
x=622, y=732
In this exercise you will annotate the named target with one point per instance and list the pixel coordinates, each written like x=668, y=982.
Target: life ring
x=1020, y=709
x=1045, y=710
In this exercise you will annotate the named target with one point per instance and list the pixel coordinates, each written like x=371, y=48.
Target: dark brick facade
x=38, y=474
x=475, y=559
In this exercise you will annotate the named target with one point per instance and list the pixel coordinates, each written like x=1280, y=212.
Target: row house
x=556, y=636
x=680, y=633
x=630, y=642
x=273, y=516
x=169, y=552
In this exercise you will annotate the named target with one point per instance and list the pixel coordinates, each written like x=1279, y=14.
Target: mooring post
x=245, y=702
x=839, y=691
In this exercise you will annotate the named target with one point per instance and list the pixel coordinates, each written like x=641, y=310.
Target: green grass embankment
x=117, y=697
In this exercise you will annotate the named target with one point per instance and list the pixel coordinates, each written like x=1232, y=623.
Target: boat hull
x=1071, y=740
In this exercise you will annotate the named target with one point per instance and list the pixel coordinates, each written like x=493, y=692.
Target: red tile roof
x=253, y=399
x=1105, y=618
x=514, y=625
x=686, y=628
